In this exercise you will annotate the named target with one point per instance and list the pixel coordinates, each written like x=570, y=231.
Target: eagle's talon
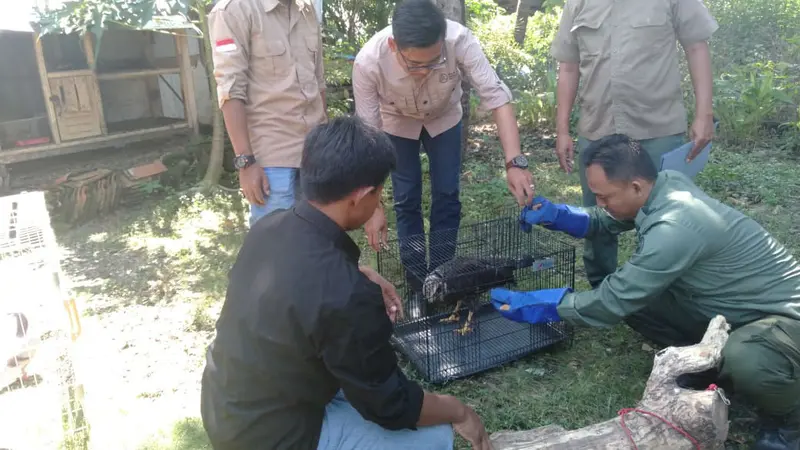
x=463, y=331
x=453, y=318
x=466, y=328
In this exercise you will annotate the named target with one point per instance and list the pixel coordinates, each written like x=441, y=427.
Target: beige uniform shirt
x=268, y=54
x=630, y=80
x=390, y=99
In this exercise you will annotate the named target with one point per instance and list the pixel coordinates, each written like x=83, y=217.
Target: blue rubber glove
x=557, y=217
x=528, y=307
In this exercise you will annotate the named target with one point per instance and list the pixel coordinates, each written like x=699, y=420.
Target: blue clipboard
x=676, y=159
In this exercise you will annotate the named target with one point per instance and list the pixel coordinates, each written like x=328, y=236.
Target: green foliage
x=80, y=16
x=529, y=71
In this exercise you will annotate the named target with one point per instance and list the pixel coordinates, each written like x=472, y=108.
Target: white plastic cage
x=40, y=398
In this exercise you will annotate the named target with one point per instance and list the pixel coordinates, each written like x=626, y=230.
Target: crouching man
x=696, y=258
x=301, y=358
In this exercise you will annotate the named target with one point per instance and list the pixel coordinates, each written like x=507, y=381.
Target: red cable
x=625, y=411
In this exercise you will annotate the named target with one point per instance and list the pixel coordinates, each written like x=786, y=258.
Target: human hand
x=520, y=183
x=701, y=133
x=565, y=150
x=391, y=299
x=377, y=230
x=472, y=430
x=254, y=184
x=529, y=307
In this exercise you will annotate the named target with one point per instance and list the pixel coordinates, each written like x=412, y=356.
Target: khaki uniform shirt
x=711, y=258
x=628, y=57
x=268, y=54
x=387, y=97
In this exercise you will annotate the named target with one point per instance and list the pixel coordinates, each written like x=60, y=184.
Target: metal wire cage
x=39, y=394
x=488, y=253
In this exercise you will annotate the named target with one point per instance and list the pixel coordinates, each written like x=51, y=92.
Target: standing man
x=268, y=67
x=407, y=81
x=625, y=55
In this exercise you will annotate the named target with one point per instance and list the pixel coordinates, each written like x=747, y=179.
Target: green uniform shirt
x=712, y=258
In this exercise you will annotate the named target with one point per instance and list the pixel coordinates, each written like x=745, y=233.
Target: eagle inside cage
x=462, y=280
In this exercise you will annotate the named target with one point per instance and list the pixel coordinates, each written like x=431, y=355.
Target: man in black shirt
x=302, y=359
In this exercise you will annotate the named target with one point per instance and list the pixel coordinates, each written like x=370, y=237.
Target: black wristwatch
x=519, y=161
x=243, y=161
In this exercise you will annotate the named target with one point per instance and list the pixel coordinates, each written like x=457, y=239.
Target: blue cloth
x=529, y=307
x=558, y=217
x=343, y=428
x=444, y=162
x=284, y=190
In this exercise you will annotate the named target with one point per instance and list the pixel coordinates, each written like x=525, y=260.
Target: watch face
x=520, y=161
x=241, y=161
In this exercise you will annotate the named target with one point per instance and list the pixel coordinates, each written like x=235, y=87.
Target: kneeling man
x=696, y=258
x=302, y=358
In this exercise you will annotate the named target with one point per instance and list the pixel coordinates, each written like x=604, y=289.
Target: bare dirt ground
x=138, y=282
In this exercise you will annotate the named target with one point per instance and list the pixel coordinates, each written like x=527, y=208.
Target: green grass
x=175, y=254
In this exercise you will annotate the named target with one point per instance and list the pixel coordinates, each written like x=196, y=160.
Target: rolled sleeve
x=665, y=252
x=491, y=90
x=230, y=42
x=565, y=47
x=357, y=351
x=693, y=22
x=365, y=93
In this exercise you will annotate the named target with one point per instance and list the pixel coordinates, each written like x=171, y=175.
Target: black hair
x=621, y=157
x=418, y=24
x=342, y=156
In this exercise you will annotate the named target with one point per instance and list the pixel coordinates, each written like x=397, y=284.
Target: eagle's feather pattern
x=461, y=281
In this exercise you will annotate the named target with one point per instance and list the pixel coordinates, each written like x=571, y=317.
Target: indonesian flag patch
x=225, y=46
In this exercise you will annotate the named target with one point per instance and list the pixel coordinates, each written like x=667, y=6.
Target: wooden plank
x=136, y=74
x=88, y=45
x=12, y=156
x=187, y=82
x=52, y=117
x=69, y=74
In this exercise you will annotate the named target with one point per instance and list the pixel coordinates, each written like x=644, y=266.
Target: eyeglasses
x=413, y=67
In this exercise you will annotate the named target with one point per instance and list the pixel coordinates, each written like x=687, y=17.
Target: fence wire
x=40, y=395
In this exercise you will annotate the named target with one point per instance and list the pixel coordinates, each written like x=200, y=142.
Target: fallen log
x=667, y=417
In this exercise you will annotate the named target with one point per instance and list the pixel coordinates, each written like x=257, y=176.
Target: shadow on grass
x=159, y=253
x=186, y=434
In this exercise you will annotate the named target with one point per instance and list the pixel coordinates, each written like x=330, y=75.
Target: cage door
x=76, y=107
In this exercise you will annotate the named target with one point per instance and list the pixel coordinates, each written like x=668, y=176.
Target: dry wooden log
x=703, y=415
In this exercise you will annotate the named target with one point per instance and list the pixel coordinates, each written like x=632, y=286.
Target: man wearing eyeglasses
x=407, y=81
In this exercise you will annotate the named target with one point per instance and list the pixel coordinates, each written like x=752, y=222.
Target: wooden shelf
x=137, y=74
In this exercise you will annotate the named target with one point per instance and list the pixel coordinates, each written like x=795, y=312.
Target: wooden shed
x=62, y=94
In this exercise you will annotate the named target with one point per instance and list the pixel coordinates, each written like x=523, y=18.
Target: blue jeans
x=444, y=157
x=284, y=190
x=343, y=428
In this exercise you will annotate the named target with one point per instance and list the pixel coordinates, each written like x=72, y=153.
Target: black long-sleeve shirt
x=299, y=322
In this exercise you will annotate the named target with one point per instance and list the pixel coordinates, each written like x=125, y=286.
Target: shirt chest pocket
x=395, y=100
x=272, y=55
x=650, y=27
x=590, y=36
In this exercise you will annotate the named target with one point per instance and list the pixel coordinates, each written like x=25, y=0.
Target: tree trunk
x=456, y=10
x=703, y=415
x=214, y=169
x=525, y=9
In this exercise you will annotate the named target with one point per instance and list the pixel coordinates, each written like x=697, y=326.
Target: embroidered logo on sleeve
x=226, y=46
